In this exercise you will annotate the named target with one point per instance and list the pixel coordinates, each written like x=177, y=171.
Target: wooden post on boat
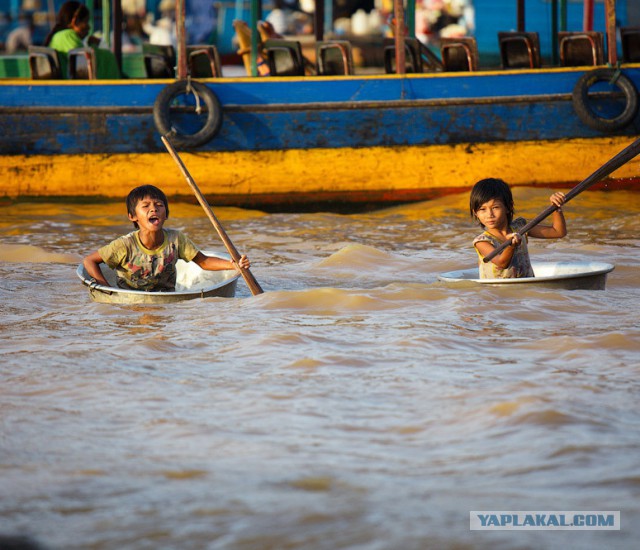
x=181, y=40
x=318, y=21
x=117, y=32
x=587, y=15
x=554, y=32
x=612, y=48
x=520, y=16
x=398, y=6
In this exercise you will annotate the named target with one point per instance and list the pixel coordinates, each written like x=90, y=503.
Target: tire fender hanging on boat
x=162, y=113
x=589, y=116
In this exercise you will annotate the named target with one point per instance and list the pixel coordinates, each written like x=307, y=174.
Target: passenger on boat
x=20, y=38
x=163, y=31
x=491, y=205
x=69, y=32
x=146, y=259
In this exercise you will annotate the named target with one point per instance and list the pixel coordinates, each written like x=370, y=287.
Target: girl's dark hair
x=140, y=193
x=68, y=12
x=491, y=189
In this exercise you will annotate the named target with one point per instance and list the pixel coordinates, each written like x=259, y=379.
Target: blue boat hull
x=298, y=126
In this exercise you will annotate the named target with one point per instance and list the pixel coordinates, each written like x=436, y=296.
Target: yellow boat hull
x=355, y=175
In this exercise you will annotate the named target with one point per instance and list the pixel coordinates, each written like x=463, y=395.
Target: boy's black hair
x=140, y=193
x=491, y=189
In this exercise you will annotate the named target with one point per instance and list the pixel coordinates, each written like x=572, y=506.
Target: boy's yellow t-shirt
x=139, y=268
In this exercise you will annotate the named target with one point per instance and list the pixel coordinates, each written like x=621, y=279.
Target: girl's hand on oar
x=558, y=199
x=516, y=239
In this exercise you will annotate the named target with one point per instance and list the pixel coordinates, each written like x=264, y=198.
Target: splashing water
x=357, y=403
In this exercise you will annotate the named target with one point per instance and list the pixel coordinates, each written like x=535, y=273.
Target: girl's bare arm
x=502, y=260
x=558, y=229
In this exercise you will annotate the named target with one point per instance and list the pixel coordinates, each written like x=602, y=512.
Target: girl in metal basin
x=491, y=205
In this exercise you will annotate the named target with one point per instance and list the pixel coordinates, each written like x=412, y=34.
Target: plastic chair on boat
x=204, y=61
x=581, y=48
x=44, y=63
x=82, y=64
x=430, y=61
x=412, y=59
x=519, y=50
x=459, y=54
x=630, y=39
x=284, y=57
x=268, y=35
x=334, y=57
x=418, y=57
x=275, y=56
x=159, y=61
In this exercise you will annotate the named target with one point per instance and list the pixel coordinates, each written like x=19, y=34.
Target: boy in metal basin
x=145, y=259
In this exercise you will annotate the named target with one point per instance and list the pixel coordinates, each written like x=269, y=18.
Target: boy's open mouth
x=154, y=220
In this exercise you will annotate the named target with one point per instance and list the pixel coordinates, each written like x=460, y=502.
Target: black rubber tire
x=587, y=115
x=162, y=114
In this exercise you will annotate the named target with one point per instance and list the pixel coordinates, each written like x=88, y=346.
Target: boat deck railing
x=299, y=56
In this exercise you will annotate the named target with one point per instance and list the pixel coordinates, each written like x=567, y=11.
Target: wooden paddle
x=246, y=274
x=616, y=162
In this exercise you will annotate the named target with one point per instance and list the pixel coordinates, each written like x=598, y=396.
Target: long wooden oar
x=616, y=162
x=246, y=274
